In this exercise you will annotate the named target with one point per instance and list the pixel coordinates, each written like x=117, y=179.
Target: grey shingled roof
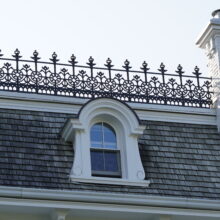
x=180, y=159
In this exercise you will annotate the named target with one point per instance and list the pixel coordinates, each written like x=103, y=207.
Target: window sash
x=106, y=173
x=103, y=143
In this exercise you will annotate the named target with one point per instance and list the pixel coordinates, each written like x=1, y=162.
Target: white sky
x=137, y=30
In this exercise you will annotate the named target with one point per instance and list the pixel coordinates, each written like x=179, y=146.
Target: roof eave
x=109, y=198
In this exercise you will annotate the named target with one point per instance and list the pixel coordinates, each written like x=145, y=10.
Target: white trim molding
x=72, y=201
x=69, y=105
x=108, y=198
x=111, y=181
x=127, y=127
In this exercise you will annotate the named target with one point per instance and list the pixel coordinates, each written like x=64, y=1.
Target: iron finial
x=179, y=70
x=126, y=65
x=17, y=54
x=162, y=68
x=35, y=53
x=145, y=66
x=109, y=63
x=73, y=59
x=91, y=62
x=35, y=56
x=196, y=71
x=54, y=58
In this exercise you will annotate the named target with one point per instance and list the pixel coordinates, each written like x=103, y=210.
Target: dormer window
x=105, y=142
x=105, y=154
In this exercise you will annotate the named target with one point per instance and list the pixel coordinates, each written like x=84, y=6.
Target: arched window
x=105, y=154
x=105, y=140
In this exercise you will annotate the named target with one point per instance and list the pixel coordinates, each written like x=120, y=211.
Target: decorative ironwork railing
x=71, y=79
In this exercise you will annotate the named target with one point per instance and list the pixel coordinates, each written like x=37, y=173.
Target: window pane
x=109, y=137
x=96, y=136
x=111, y=161
x=97, y=161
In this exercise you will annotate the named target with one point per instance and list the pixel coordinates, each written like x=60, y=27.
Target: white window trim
x=127, y=127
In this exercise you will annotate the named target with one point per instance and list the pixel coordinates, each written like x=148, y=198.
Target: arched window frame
x=126, y=125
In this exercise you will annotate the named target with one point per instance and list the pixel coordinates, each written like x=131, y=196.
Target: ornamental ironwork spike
x=16, y=54
x=91, y=62
x=179, y=70
x=126, y=65
x=109, y=63
x=144, y=66
x=196, y=71
x=35, y=56
x=162, y=68
x=73, y=60
x=54, y=58
x=197, y=74
x=1, y=53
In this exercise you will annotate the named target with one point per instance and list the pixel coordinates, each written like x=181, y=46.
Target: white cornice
x=42, y=98
x=27, y=197
x=210, y=31
x=168, y=108
x=34, y=102
x=208, y=118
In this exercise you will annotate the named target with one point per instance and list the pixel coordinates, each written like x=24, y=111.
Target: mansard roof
x=180, y=159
